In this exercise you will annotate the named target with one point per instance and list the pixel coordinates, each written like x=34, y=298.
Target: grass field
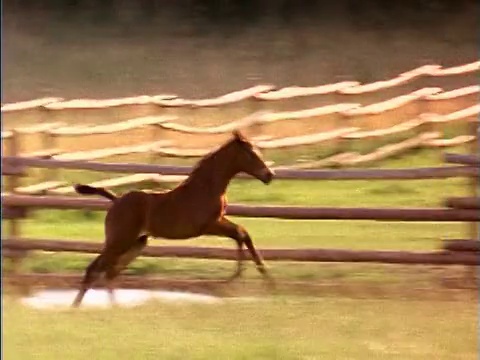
x=279, y=328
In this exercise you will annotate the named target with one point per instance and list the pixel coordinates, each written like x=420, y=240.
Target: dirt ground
x=446, y=284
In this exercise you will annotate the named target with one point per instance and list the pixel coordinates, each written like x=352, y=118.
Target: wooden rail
x=464, y=202
x=298, y=255
x=264, y=211
x=471, y=160
x=167, y=148
x=463, y=246
x=266, y=117
x=281, y=173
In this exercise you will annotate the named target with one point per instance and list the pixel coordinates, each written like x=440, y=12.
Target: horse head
x=248, y=159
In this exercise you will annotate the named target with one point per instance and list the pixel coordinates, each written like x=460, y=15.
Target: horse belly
x=175, y=230
x=176, y=216
x=181, y=226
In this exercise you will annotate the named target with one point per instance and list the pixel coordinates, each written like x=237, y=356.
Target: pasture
x=270, y=328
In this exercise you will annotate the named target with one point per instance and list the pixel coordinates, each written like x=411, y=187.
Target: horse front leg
x=240, y=262
x=227, y=228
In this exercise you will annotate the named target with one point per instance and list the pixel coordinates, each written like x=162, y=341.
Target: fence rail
x=268, y=211
x=281, y=173
x=267, y=117
x=297, y=255
x=472, y=160
x=462, y=252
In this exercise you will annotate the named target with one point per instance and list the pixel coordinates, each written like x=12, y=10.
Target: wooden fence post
x=475, y=180
x=424, y=114
x=341, y=144
x=473, y=226
x=156, y=131
x=256, y=105
x=12, y=185
x=344, y=144
x=49, y=142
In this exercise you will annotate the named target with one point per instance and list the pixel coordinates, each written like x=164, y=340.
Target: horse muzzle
x=267, y=176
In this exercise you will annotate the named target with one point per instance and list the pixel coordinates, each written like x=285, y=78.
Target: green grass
x=279, y=328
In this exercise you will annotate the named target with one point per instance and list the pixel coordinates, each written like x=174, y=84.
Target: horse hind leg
x=111, y=269
x=122, y=262
x=92, y=273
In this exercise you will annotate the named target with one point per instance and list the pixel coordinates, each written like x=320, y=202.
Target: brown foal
x=193, y=208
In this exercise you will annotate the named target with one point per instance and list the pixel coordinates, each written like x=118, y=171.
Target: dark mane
x=207, y=159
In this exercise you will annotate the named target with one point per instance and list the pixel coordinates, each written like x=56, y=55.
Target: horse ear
x=237, y=135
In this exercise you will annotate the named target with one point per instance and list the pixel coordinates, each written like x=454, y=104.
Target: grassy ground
x=280, y=328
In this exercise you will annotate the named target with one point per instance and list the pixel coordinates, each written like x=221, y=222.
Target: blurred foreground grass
x=278, y=328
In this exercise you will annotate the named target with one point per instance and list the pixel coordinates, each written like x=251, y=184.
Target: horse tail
x=90, y=190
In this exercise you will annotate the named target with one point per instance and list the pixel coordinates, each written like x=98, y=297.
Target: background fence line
x=263, y=142
x=415, y=118
x=257, y=118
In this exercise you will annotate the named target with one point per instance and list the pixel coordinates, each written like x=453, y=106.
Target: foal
x=193, y=208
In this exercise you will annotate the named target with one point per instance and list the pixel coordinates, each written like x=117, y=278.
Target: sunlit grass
x=280, y=328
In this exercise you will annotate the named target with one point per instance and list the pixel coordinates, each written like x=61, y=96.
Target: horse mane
x=203, y=163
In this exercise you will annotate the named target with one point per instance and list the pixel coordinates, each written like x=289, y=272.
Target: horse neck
x=213, y=175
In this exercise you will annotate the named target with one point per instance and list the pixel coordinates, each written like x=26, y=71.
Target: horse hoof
x=230, y=279
x=271, y=285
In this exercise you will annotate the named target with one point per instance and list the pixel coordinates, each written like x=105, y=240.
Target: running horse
x=195, y=207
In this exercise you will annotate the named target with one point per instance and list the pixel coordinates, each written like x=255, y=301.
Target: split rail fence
x=16, y=207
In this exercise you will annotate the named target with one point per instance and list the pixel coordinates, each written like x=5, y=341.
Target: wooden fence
x=406, y=105
x=347, y=126
x=423, y=126
x=460, y=252
x=275, y=119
